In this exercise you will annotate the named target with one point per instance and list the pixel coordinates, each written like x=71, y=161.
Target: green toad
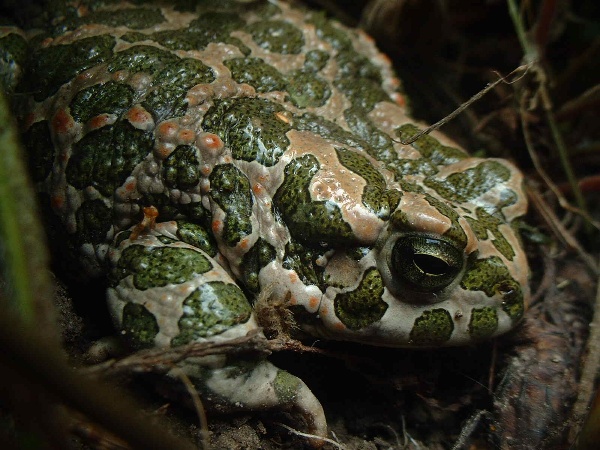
x=201, y=157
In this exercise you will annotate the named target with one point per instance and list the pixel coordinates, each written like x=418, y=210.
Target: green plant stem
x=566, y=163
x=531, y=55
x=23, y=257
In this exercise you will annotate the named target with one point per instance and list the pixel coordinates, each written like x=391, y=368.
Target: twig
x=560, y=231
x=198, y=406
x=311, y=436
x=161, y=360
x=464, y=105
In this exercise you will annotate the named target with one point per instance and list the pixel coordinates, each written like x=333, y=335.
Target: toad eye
x=425, y=264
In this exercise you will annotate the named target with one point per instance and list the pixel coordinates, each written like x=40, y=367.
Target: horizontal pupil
x=431, y=265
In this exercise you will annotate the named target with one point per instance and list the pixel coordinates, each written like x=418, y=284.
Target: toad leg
x=165, y=292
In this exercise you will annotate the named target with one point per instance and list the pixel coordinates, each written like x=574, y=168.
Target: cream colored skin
x=277, y=173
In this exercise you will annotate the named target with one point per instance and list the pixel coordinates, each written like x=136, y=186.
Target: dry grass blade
x=198, y=406
x=558, y=229
x=465, y=105
x=161, y=360
x=312, y=437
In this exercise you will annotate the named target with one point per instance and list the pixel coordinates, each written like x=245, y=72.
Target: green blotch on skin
x=217, y=24
x=141, y=58
x=135, y=36
x=469, y=184
x=139, y=326
x=181, y=169
x=166, y=240
x=258, y=74
x=328, y=130
x=209, y=27
x=230, y=189
x=404, y=167
x=189, y=40
x=491, y=276
x=250, y=128
x=432, y=328
x=194, y=212
x=308, y=220
x=167, y=210
x=483, y=323
x=159, y=266
x=277, y=36
x=104, y=158
x=211, y=309
x=358, y=78
x=301, y=260
x=363, y=93
x=380, y=146
x=512, y=299
x=286, y=386
x=429, y=147
x=358, y=67
x=485, y=223
x=376, y=197
x=315, y=60
x=13, y=54
x=407, y=186
x=360, y=165
x=51, y=67
x=307, y=90
x=363, y=306
x=108, y=98
x=40, y=150
x=198, y=236
x=337, y=37
x=263, y=9
x=170, y=87
x=261, y=254
x=94, y=220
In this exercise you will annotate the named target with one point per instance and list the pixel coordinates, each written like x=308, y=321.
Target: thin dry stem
x=559, y=229
x=198, y=406
x=465, y=105
x=312, y=437
x=161, y=360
